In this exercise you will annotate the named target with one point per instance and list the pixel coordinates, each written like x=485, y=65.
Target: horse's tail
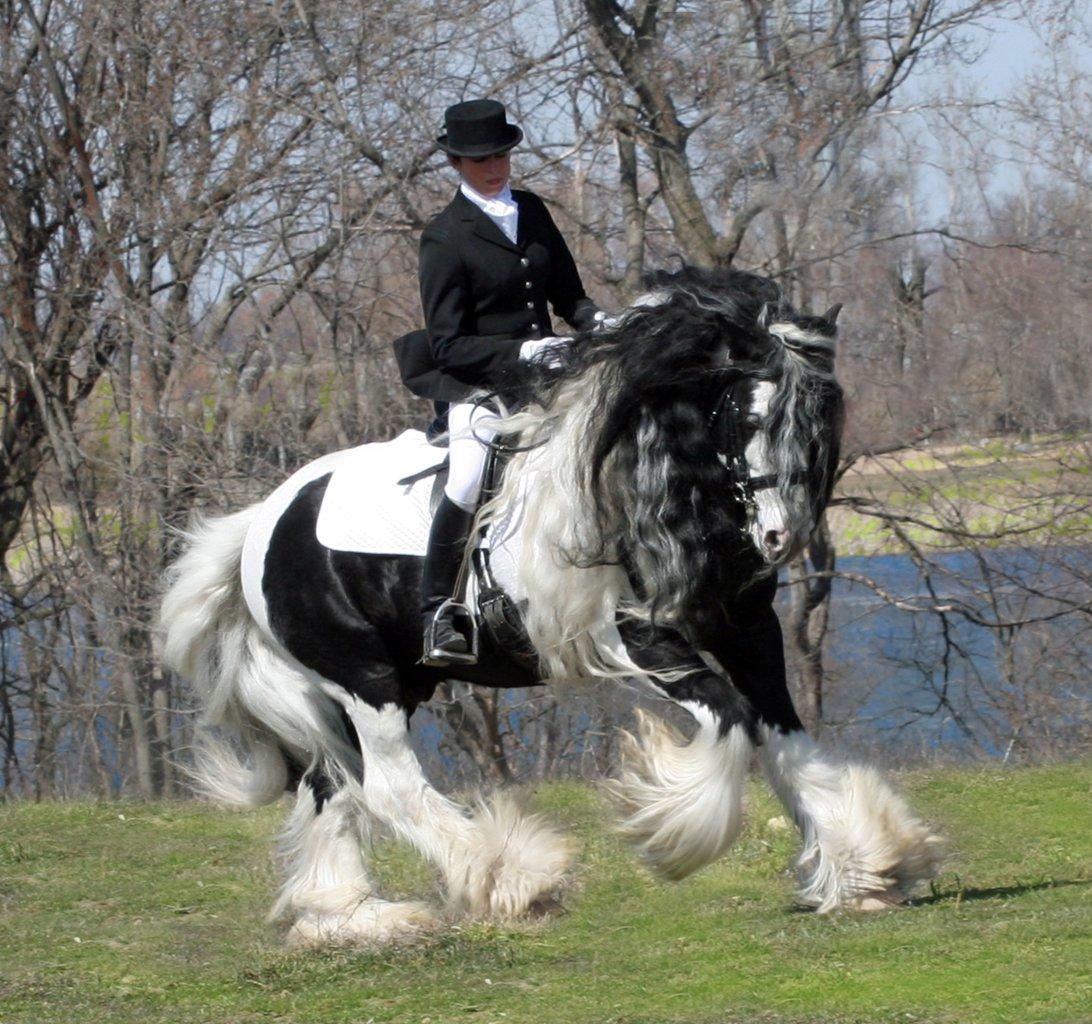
x=210, y=638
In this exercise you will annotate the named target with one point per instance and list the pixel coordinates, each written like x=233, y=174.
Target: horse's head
x=717, y=380
x=688, y=447
x=776, y=426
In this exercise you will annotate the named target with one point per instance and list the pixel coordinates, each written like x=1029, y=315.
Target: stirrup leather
x=436, y=656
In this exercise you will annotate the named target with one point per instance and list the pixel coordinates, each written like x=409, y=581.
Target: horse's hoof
x=871, y=904
x=371, y=923
x=544, y=908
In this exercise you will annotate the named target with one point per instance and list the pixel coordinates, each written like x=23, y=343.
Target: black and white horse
x=657, y=482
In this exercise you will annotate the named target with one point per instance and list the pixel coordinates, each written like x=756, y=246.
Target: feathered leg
x=327, y=893
x=496, y=861
x=682, y=801
x=863, y=848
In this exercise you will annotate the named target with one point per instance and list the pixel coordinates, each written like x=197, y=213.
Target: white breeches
x=470, y=430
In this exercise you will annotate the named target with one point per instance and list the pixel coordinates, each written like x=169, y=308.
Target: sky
x=1011, y=50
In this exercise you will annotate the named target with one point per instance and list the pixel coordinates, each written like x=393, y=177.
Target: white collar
x=500, y=205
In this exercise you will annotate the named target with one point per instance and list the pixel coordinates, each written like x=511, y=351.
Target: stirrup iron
x=437, y=657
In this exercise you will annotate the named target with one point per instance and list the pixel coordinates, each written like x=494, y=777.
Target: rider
x=489, y=263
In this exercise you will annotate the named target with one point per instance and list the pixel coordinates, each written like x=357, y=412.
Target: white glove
x=604, y=321
x=549, y=352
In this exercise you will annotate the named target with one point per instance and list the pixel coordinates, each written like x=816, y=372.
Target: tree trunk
x=908, y=287
x=809, y=614
x=633, y=213
x=161, y=721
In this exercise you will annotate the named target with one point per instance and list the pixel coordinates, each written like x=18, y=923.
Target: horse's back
x=361, y=507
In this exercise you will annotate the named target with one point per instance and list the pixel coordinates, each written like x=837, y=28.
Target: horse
x=654, y=484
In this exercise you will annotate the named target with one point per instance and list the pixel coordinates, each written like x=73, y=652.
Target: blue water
x=931, y=682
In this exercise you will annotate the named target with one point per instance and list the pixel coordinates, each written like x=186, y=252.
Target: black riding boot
x=444, y=643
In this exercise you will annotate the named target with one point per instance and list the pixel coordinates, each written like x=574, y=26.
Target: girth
x=498, y=614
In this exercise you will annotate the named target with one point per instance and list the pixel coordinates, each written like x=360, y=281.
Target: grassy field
x=1000, y=491
x=124, y=912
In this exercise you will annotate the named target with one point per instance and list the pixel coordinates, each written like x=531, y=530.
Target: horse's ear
x=831, y=315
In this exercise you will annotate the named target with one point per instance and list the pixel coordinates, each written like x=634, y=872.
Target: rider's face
x=486, y=175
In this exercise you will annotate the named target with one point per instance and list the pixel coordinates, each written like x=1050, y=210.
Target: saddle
x=494, y=619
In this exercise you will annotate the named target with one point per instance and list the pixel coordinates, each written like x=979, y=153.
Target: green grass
x=118, y=913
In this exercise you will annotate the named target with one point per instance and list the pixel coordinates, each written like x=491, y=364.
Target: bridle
x=726, y=427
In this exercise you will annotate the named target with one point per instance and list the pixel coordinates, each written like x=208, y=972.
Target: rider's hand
x=548, y=352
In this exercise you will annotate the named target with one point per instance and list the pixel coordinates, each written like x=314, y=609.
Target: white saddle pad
x=365, y=509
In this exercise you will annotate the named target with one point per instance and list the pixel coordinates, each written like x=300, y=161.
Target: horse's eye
x=754, y=422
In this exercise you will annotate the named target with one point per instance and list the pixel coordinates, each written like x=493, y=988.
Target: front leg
x=683, y=801
x=863, y=848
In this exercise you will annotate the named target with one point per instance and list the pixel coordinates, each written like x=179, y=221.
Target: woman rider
x=489, y=263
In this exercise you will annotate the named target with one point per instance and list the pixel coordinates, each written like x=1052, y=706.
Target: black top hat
x=477, y=128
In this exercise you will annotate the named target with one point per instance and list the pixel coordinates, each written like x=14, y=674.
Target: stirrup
x=436, y=656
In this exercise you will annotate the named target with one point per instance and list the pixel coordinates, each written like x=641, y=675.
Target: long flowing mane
x=630, y=508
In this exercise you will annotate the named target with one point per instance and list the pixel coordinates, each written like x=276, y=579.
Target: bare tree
x=209, y=234
x=166, y=176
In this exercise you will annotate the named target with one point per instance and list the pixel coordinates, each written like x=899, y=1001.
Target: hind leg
x=863, y=848
x=495, y=862
x=327, y=893
x=324, y=607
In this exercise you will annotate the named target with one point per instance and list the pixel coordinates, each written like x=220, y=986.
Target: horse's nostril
x=774, y=540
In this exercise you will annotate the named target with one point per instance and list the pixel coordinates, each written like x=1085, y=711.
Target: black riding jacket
x=483, y=296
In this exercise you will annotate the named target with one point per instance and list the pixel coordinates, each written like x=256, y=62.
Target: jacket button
x=530, y=305
x=525, y=262
x=528, y=284
x=534, y=327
